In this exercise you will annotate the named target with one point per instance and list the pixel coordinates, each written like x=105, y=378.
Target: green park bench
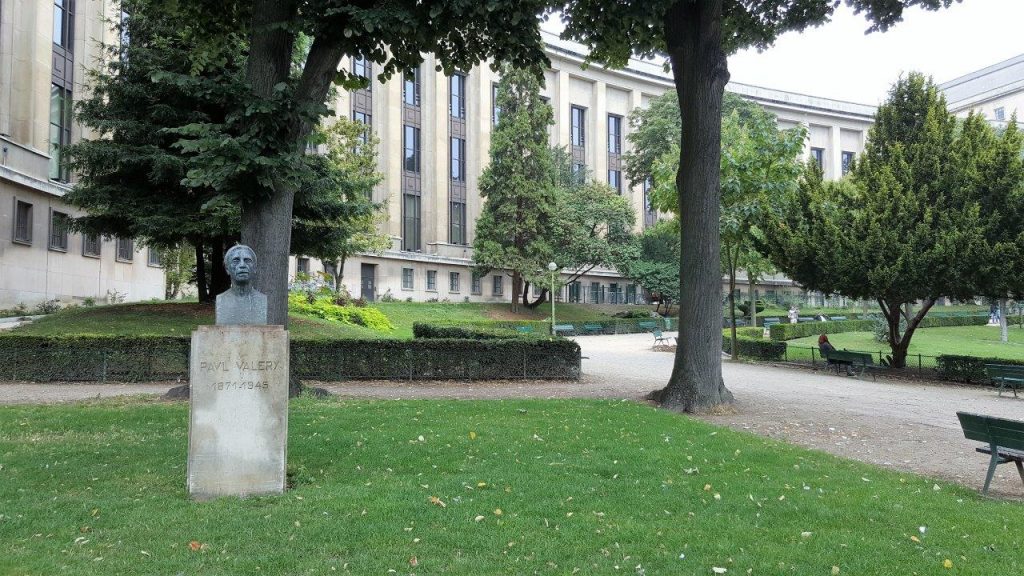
x=660, y=339
x=524, y=329
x=564, y=328
x=647, y=326
x=1005, y=439
x=836, y=318
x=805, y=319
x=769, y=322
x=1007, y=376
x=593, y=328
x=860, y=362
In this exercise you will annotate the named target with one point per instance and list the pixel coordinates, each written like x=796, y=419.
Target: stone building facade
x=45, y=48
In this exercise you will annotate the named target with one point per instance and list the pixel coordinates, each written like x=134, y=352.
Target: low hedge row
x=146, y=358
x=425, y=330
x=750, y=344
x=804, y=329
x=968, y=369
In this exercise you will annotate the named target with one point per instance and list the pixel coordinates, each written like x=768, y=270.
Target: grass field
x=181, y=318
x=545, y=487
x=981, y=341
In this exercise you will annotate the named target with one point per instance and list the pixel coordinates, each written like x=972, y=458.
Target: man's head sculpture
x=240, y=262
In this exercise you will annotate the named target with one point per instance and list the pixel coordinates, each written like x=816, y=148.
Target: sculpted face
x=240, y=262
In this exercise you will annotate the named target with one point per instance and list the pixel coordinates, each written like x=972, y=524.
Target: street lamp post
x=552, y=267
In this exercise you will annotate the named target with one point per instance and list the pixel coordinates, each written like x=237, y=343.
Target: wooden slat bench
x=1005, y=439
x=564, y=329
x=859, y=361
x=524, y=329
x=1007, y=376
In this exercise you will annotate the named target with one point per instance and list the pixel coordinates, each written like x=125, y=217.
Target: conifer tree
x=515, y=228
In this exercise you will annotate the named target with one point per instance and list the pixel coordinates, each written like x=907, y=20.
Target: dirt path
x=905, y=426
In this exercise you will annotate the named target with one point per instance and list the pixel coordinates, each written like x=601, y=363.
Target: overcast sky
x=836, y=60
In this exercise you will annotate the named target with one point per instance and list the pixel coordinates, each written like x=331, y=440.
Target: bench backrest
x=847, y=356
x=525, y=329
x=564, y=327
x=992, y=430
x=837, y=318
x=593, y=327
x=1004, y=371
x=648, y=325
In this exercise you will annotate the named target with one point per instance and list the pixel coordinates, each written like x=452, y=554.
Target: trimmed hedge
x=424, y=330
x=751, y=345
x=968, y=369
x=804, y=329
x=149, y=358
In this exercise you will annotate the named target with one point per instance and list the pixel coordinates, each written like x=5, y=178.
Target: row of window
x=818, y=154
x=454, y=282
x=59, y=235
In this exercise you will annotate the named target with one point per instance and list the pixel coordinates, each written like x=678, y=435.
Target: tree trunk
x=693, y=33
x=1004, y=334
x=266, y=228
x=542, y=298
x=731, y=264
x=751, y=284
x=900, y=343
x=516, y=279
x=202, y=287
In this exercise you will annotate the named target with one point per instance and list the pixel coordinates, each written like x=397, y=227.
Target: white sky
x=836, y=60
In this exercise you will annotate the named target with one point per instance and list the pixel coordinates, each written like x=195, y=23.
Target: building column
x=598, y=146
x=835, y=153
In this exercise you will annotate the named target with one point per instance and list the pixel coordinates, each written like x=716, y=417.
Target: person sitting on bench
x=824, y=346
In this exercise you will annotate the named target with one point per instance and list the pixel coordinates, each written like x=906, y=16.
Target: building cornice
x=44, y=186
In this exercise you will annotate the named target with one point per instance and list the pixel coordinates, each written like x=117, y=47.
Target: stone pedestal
x=238, y=417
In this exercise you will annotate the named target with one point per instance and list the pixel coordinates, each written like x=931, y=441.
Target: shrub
x=424, y=330
x=149, y=358
x=749, y=345
x=324, y=307
x=967, y=369
x=47, y=307
x=804, y=329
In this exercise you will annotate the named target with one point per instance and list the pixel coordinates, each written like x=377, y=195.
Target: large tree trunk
x=542, y=298
x=219, y=279
x=693, y=31
x=516, y=281
x=732, y=303
x=1004, y=333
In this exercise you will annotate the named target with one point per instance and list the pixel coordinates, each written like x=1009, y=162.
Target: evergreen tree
x=515, y=229
x=900, y=230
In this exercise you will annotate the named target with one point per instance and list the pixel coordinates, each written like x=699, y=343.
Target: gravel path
x=902, y=425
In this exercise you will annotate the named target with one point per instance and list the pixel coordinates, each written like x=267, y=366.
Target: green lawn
x=545, y=487
x=164, y=318
x=981, y=341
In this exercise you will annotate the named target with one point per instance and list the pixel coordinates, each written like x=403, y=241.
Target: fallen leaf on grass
x=915, y=539
x=835, y=570
x=718, y=570
x=413, y=562
x=472, y=435
x=194, y=546
x=947, y=563
x=437, y=502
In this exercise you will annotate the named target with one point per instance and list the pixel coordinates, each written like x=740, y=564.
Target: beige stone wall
x=30, y=273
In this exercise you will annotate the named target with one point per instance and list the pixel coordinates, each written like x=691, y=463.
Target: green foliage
x=179, y=264
x=805, y=329
x=324, y=307
x=423, y=330
x=968, y=369
x=517, y=224
x=591, y=228
x=657, y=267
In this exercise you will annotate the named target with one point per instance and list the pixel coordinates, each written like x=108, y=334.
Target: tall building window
x=411, y=87
x=614, y=134
x=361, y=67
x=302, y=265
x=475, y=286
x=22, y=222
x=60, y=132
x=125, y=250
x=615, y=180
x=454, y=283
x=458, y=159
x=847, y=161
x=154, y=258
x=407, y=279
x=498, y=288
x=58, y=231
x=91, y=245
x=411, y=146
x=411, y=223
x=457, y=223
x=819, y=156
x=64, y=23
x=457, y=92
x=577, y=122
x=495, y=109
x=1000, y=114
x=432, y=280
x=364, y=119
x=649, y=213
